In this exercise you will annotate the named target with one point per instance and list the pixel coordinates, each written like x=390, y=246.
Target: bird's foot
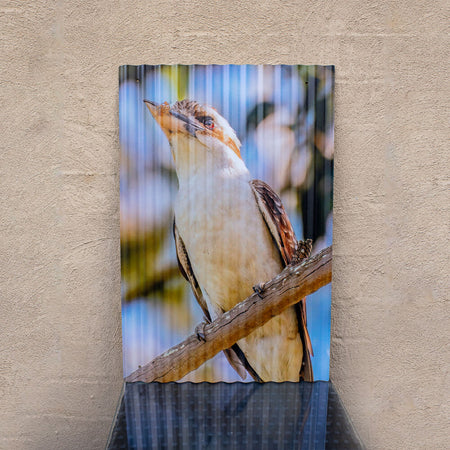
x=200, y=331
x=258, y=288
x=302, y=251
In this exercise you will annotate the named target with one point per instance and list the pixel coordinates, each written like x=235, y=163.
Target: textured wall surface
x=60, y=330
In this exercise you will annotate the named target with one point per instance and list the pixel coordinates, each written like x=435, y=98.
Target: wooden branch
x=292, y=284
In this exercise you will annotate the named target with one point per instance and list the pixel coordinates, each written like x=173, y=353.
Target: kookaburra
x=232, y=234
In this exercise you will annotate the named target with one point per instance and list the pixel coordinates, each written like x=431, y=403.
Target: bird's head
x=197, y=133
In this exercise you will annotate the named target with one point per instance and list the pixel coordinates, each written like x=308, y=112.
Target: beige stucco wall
x=60, y=324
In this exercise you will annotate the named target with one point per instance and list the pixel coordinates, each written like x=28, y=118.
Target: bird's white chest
x=231, y=250
x=227, y=240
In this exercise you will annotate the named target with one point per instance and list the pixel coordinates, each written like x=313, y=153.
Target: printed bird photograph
x=226, y=178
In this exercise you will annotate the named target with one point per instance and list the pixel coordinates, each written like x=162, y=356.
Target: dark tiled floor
x=232, y=416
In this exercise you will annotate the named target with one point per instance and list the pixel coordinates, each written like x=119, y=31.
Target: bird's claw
x=258, y=288
x=200, y=331
x=302, y=251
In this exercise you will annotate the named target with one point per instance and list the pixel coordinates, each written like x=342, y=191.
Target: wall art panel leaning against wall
x=226, y=176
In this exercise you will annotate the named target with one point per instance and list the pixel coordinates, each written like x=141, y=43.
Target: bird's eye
x=208, y=121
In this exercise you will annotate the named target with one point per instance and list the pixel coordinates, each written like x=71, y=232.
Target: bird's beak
x=171, y=122
x=152, y=106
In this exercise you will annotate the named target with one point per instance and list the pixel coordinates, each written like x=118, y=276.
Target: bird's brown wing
x=234, y=355
x=282, y=233
x=186, y=270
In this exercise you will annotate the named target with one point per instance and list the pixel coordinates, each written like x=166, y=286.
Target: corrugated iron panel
x=283, y=116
